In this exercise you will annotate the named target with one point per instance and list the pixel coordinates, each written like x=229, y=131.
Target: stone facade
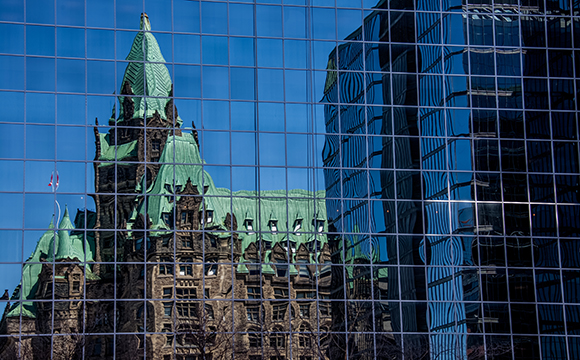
x=175, y=268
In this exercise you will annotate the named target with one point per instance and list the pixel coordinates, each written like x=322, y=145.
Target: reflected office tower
x=173, y=267
x=367, y=141
x=411, y=139
x=440, y=176
x=516, y=163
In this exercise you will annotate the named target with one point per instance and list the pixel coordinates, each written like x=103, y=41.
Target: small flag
x=51, y=180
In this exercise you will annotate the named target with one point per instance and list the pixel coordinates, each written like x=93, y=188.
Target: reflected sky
x=419, y=125
x=78, y=81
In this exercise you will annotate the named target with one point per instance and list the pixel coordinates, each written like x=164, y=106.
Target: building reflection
x=448, y=228
x=172, y=266
x=362, y=182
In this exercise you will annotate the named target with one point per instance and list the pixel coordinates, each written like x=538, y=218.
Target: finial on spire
x=65, y=211
x=145, y=24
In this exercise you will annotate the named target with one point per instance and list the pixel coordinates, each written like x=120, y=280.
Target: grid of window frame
x=444, y=134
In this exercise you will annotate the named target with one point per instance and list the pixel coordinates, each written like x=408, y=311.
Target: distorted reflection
x=438, y=221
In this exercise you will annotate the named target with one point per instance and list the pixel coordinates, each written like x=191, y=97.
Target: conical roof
x=30, y=271
x=147, y=75
x=64, y=241
x=45, y=243
x=49, y=247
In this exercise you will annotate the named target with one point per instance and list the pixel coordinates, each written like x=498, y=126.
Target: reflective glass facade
x=289, y=179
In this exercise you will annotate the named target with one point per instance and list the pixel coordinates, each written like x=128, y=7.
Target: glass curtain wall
x=289, y=179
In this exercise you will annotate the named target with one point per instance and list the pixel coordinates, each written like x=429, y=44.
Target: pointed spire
x=145, y=24
x=146, y=74
x=65, y=223
x=64, y=243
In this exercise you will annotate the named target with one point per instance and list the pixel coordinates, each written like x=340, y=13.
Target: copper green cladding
x=55, y=245
x=157, y=205
x=148, y=77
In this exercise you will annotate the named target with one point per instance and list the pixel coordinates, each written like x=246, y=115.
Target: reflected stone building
x=448, y=224
x=172, y=267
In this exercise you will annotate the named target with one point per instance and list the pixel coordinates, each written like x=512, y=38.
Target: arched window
x=304, y=336
x=139, y=318
x=211, y=267
x=209, y=311
x=279, y=311
x=255, y=338
x=278, y=339
x=186, y=269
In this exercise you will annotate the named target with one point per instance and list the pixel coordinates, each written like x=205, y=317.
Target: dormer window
x=177, y=188
x=249, y=224
x=326, y=268
x=208, y=219
x=281, y=268
x=297, y=226
x=303, y=271
x=319, y=225
x=273, y=225
x=168, y=188
x=267, y=245
x=167, y=219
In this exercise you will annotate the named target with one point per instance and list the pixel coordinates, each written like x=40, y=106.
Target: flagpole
x=54, y=187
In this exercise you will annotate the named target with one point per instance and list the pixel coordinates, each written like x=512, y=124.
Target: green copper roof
x=67, y=246
x=181, y=161
x=147, y=74
x=111, y=152
x=180, y=150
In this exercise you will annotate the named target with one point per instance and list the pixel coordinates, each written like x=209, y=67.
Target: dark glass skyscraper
x=289, y=179
x=435, y=116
